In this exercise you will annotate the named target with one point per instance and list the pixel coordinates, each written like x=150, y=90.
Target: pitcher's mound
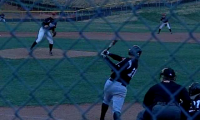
x=43, y=53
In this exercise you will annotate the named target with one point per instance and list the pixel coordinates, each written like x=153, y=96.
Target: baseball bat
x=111, y=44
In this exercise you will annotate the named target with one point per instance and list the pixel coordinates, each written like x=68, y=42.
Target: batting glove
x=105, y=53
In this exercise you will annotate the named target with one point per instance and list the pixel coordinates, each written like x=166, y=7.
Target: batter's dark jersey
x=164, y=19
x=158, y=93
x=49, y=20
x=126, y=67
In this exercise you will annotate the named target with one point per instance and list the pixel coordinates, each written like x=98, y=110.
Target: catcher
x=164, y=22
x=194, y=92
x=49, y=24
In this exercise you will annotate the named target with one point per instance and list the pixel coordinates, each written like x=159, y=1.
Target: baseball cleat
x=30, y=52
x=50, y=53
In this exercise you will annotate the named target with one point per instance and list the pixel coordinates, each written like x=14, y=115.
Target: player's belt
x=165, y=103
x=117, y=81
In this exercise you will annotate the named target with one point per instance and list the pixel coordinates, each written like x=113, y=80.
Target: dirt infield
x=43, y=53
x=67, y=112
x=70, y=112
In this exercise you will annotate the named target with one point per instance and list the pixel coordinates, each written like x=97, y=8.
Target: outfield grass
x=184, y=17
x=100, y=25
x=49, y=84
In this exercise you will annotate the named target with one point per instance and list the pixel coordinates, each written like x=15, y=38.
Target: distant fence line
x=84, y=14
x=50, y=7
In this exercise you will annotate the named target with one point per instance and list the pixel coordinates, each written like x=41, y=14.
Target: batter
x=115, y=87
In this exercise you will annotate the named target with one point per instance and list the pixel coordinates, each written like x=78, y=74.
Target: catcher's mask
x=135, y=51
x=194, y=89
x=168, y=74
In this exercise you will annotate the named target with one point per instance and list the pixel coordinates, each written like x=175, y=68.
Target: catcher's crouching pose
x=49, y=24
x=115, y=87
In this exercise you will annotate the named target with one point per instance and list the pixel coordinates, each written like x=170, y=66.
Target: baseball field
x=69, y=84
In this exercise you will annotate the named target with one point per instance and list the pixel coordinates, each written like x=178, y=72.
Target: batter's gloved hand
x=51, y=25
x=54, y=34
x=105, y=53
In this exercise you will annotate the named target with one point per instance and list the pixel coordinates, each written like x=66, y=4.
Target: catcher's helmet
x=168, y=74
x=135, y=51
x=194, y=88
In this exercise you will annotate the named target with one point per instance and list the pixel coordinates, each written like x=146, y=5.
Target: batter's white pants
x=41, y=34
x=114, y=91
x=163, y=24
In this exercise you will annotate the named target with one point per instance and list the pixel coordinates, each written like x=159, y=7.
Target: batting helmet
x=168, y=74
x=194, y=88
x=135, y=51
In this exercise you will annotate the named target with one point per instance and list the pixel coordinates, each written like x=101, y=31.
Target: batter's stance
x=49, y=24
x=164, y=22
x=115, y=87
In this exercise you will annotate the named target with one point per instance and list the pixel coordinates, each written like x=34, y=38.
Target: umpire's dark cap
x=168, y=73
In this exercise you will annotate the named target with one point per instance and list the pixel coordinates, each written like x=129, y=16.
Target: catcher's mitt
x=54, y=34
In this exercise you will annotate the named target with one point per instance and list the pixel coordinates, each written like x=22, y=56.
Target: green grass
x=24, y=78
x=184, y=16
x=99, y=25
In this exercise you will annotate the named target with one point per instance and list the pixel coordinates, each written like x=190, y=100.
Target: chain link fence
x=36, y=88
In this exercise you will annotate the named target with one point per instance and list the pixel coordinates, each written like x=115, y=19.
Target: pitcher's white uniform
x=49, y=24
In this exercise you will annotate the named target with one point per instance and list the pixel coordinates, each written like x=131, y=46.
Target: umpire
x=162, y=100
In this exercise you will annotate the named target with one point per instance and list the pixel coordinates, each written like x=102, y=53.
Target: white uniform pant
x=165, y=24
x=41, y=34
x=114, y=91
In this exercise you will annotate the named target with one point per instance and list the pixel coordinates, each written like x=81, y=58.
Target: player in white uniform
x=164, y=22
x=115, y=87
x=49, y=24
